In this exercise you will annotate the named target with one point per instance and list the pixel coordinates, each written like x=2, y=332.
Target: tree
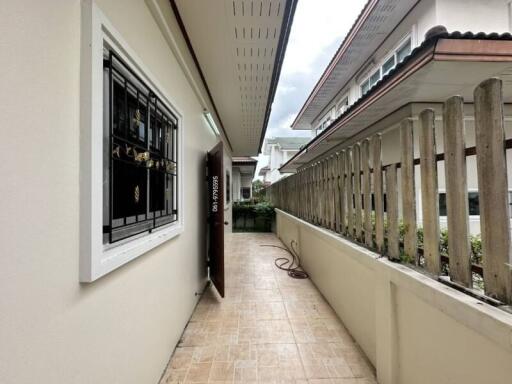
x=258, y=190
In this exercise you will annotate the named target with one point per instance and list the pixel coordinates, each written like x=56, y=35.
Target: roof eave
x=454, y=47
x=369, y=6
x=289, y=13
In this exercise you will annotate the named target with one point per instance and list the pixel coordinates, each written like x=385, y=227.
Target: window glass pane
x=246, y=193
x=140, y=156
x=157, y=188
x=118, y=108
x=442, y=204
x=129, y=189
x=375, y=77
x=136, y=122
x=342, y=106
x=403, y=51
x=388, y=65
x=474, y=205
x=365, y=87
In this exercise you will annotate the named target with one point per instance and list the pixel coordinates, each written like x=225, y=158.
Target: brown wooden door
x=215, y=168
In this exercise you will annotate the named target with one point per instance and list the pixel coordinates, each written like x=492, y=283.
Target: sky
x=318, y=29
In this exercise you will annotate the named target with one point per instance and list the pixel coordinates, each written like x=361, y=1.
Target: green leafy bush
x=253, y=217
x=264, y=209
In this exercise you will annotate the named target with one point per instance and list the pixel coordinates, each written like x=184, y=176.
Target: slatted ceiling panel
x=254, y=47
x=236, y=45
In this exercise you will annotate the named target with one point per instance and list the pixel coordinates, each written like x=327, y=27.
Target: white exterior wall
x=240, y=181
x=247, y=183
x=474, y=15
x=266, y=177
x=123, y=327
x=278, y=157
x=236, y=184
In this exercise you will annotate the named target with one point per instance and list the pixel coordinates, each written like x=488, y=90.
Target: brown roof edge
x=286, y=26
x=179, y=20
x=454, y=46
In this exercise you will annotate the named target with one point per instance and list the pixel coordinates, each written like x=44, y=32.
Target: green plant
x=476, y=249
x=264, y=209
x=251, y=217
x=443, y=241
x=258, y=190
x=420, y=235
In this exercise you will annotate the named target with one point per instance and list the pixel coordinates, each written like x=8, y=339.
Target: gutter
x=286, y=26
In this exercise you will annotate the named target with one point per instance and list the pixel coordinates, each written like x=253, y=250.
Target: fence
x=347, y=192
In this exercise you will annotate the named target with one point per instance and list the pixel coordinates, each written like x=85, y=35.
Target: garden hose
x=285, y=264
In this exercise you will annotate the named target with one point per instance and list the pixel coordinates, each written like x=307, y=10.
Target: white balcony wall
x=411, y=327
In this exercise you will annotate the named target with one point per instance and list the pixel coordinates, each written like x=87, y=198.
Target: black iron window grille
x=140, y=155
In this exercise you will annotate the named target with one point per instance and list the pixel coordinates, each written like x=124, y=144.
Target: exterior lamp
x=211, y=122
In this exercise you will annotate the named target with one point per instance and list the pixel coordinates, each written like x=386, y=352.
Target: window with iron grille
x=140, y=187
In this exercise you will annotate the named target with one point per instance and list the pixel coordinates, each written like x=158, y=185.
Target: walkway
x=270, y=328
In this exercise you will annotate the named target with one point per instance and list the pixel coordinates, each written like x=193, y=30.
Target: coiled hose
x=292, y=266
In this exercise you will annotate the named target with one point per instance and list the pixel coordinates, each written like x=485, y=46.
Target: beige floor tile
x=222, y=371
x=321, y=361
x=246, y=375
x=269, y=328
x=174, y=376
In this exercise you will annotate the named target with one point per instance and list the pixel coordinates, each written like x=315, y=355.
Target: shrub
x=251, y=217
x=264, y=209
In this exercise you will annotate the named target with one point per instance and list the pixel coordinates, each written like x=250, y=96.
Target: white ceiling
x=246, y=169
x=235, y=42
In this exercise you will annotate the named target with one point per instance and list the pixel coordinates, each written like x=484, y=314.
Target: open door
x=215, y=169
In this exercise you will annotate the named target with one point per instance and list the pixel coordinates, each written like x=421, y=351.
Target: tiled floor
x=269, y=328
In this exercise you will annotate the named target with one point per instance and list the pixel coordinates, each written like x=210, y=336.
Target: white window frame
x=401, y=44
x=98, y=259
x=392, y=52
x=343, y=108
x=327, y=117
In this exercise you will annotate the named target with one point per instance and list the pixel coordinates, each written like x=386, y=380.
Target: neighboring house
x=109, y=109
x=395, y=63
x=280, y=150
x=265, y=173
x=243, y=174
x=399, y=58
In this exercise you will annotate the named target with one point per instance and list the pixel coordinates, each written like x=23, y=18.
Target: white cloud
x=319, y=27
x=283, y=90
